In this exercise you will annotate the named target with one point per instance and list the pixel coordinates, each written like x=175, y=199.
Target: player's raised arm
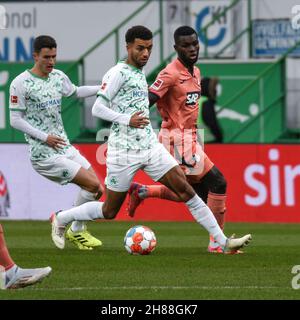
x=86, y=91
x=69, y=89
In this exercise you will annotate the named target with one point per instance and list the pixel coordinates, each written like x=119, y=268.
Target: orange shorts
x=196, y=178
x=196, y=163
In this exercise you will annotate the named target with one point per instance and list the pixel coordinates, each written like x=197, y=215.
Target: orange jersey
x=179, y=93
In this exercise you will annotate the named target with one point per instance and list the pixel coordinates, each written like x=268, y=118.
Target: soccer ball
x=140, y=240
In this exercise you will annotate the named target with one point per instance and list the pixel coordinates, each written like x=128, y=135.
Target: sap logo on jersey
x=139, y=94
x=192, y=98
x=279, y=177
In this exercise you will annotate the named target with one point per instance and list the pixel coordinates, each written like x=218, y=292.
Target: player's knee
x=109, y=215
x=189, y=192
x=223, y=184
x=220, y=185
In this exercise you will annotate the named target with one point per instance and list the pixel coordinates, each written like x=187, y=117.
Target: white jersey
x=124, y=89
x=40, y=100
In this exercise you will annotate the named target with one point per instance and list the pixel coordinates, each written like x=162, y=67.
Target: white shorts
x=61, y=168
x=122, y=165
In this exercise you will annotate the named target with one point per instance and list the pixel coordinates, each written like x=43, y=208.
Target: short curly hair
x=183, y=31
x=138, y=32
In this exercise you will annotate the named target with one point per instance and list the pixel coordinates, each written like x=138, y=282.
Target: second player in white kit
x=35, y=109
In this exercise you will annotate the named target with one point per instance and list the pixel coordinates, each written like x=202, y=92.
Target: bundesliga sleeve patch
x=14, y=99
x=157, y=84
x=103, y=86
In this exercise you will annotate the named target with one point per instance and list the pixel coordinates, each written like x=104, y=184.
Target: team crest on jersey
x=14, y=99
x=4, y=197
x=157, y=84
x=192, y=98
x=65, y=173
x=113, y=181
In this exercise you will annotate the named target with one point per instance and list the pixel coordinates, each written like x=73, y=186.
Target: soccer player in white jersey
x=14, y=277
x=35, y=109
x=124, y=89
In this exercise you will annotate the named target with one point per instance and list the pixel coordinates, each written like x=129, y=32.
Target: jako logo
x=4, y=197
x=275, y=183
x=296, y=18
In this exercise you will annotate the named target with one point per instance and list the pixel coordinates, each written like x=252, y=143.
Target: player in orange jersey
x=176, y=92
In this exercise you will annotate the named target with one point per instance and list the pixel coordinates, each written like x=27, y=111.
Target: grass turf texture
x=179, y=268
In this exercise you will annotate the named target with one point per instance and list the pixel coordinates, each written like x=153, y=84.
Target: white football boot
x=58, y=232
x=20, y=278
x=237, y=243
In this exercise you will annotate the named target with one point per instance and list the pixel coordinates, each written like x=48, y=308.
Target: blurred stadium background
x=252, y=46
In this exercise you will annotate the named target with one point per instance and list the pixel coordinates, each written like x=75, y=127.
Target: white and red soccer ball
x=140, y=240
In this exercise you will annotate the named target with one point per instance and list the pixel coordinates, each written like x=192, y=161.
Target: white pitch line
x=159, y=288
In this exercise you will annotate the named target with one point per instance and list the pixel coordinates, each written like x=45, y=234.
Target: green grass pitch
x=179, y=268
